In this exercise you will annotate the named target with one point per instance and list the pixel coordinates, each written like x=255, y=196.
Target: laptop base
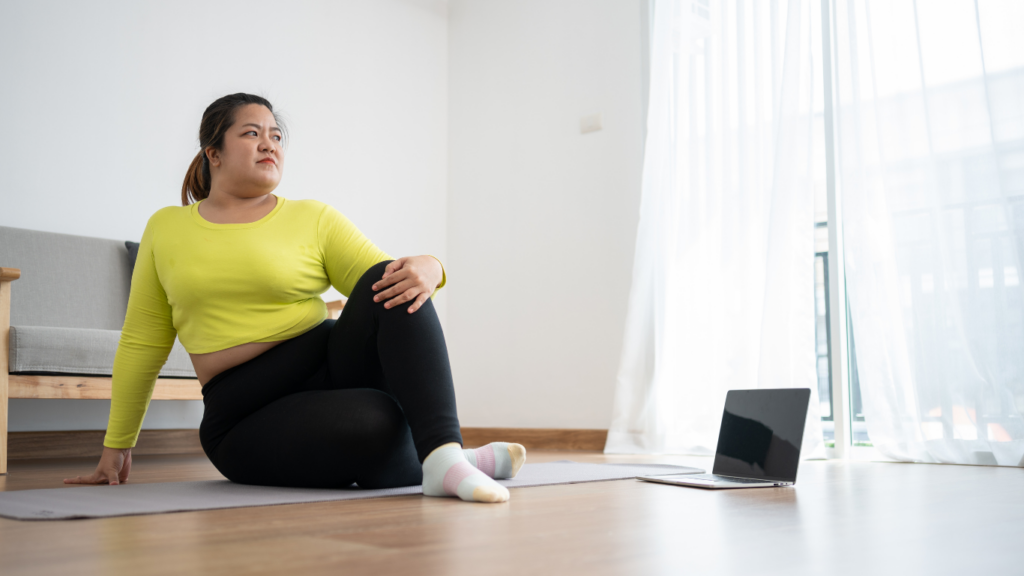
x=690, y=480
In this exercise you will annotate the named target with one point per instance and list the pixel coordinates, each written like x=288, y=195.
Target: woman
x=290, y=397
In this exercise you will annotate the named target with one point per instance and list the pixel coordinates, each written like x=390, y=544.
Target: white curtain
x=723, y=282
x=930, y=124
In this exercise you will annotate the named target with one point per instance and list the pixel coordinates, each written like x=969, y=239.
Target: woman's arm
x=347, y=254
x=146, y=341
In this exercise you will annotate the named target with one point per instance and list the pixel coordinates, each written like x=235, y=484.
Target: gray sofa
x=65, y=317
x=68, y=307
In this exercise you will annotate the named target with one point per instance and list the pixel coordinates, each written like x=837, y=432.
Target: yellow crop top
x=215, y=286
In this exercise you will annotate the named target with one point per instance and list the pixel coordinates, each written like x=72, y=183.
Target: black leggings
x=362, y=399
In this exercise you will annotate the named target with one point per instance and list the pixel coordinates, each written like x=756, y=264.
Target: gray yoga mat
x=130, y=499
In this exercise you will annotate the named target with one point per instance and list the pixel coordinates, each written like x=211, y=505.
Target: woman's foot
x=499, y=460
x=446, y=472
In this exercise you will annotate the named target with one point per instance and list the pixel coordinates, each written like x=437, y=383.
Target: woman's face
x=251, y=160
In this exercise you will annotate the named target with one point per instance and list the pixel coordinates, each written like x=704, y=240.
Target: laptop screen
x=761, y=433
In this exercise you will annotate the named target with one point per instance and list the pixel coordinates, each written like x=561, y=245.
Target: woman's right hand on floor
x=113, y=469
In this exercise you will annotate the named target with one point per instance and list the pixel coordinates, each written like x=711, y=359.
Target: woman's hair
x=218, y=117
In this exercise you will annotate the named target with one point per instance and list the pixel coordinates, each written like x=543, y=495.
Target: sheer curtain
x=723, y=281
x=930, y=124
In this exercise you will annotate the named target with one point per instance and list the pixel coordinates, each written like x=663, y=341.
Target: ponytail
x=197, y=180
x=217, y=118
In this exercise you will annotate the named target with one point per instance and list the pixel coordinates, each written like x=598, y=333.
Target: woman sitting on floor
x=291, y=398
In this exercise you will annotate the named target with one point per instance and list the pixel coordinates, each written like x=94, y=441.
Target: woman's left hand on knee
x=408, y=278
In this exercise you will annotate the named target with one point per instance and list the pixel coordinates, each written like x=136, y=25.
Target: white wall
x=541, y=219
x=444, y=128
x=102, y=103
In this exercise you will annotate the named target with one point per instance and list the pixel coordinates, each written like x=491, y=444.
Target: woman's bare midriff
x=209, y=365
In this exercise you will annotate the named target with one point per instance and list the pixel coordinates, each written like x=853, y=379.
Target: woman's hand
x=113, y=469
x=409, y=278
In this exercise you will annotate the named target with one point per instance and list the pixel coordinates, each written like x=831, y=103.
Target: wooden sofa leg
x=7, y=275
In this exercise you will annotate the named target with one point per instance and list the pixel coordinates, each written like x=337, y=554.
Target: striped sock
x=499, y=460
x=447, y=473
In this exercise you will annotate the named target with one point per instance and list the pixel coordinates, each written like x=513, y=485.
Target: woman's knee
x=364, y=286
x=364, y=292
x=373, y=274
x=377, y=270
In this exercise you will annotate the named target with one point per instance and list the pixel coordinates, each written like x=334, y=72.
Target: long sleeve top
x=216, y=286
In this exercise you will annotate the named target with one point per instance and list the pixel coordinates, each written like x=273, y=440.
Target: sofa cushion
x=133, y=253
x=45, y=349
x=68, y=281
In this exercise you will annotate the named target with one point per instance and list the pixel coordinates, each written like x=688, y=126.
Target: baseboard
x=89, y=443
x=538, y=438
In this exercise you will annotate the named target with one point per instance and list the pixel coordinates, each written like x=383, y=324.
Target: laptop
x=758, y=443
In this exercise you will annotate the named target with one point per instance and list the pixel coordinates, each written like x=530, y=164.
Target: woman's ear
x=213, y=155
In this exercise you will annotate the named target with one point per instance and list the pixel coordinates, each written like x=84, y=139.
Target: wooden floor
x=841, y=518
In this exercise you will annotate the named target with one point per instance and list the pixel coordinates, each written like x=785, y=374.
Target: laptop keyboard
x=715, y=478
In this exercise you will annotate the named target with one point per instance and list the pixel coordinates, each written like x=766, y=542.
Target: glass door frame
x=840, y=337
